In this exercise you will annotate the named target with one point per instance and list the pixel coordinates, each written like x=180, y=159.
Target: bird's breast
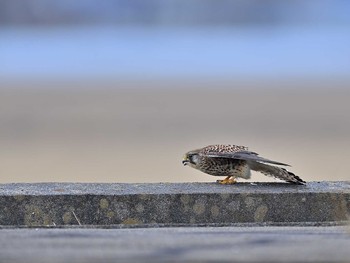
x=219, y=166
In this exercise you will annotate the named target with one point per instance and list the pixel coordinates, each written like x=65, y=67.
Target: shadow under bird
x=235, y=161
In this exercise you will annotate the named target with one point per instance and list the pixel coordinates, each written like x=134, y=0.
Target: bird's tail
x=276, y=172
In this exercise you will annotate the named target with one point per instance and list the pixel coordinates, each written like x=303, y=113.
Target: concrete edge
x=164, y=204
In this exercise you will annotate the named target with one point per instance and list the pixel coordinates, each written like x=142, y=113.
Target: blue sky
x=174, y=52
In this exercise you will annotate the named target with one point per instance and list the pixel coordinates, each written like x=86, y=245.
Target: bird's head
x=191, y=158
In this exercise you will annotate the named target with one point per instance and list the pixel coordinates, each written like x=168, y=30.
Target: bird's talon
x=226, y=181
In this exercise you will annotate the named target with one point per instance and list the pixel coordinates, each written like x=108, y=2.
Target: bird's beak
x=185, y=161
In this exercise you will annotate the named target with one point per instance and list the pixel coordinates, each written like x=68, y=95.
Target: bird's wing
x=244, y=155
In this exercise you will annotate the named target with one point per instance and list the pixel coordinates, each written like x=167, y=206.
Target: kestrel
x=235, y=161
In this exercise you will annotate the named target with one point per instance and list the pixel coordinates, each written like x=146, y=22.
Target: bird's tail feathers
x=276, y=172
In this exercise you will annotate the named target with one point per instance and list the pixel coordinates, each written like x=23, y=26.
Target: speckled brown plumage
x=235, y=161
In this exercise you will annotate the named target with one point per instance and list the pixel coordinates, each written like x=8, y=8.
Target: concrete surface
x=57, y=204
x=206, y=244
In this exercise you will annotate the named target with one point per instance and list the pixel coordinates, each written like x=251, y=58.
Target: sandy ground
x=126, y=134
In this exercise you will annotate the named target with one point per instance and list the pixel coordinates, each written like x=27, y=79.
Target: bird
x=235, y=161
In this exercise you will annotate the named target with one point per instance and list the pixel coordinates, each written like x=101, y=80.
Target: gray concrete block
x=55, y=204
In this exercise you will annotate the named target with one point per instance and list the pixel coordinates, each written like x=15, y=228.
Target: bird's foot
x=227, y=180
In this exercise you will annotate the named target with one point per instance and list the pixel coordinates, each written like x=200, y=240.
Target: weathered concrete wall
x=50, y=204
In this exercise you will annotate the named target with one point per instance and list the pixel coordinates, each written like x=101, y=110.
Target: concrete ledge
x=59, y=204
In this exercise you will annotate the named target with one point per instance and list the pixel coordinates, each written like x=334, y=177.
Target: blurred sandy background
x=68, y=115
x=135, y=135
